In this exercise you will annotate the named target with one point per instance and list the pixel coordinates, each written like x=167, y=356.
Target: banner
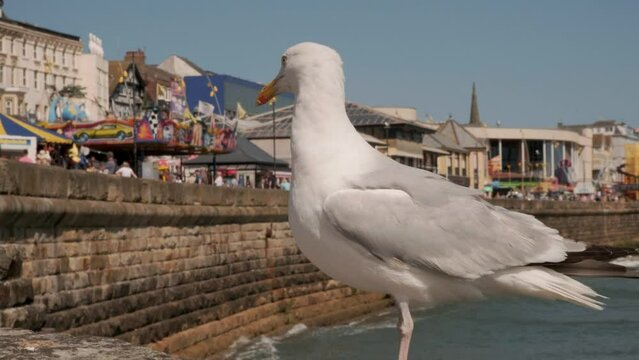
x=204, y=108
x=178, y=98
x=163, y=93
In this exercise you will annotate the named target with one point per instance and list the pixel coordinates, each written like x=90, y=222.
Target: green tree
x=73, y=91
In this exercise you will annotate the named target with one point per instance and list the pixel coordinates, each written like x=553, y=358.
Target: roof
x=596, y=124
x=459, y=135
x=430, y=144
x=490, y=133
x=116, y=67
x=439, y=141
x=12, y=126
x=245, y=153
x=194, y=65
x=40, y=29
x=148, y=71
x=260, y=126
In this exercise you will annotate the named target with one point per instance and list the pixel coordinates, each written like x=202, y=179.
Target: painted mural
x=196, y=134
x=67, y=109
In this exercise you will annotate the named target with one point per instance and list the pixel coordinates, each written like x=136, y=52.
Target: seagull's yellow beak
x=267, y=93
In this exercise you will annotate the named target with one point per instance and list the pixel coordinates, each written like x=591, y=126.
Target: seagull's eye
x=284, y=58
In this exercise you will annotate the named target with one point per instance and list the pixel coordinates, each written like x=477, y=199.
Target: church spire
x=474, y=110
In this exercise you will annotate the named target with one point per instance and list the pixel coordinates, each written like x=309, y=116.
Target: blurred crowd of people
x=268, y=180
x=79, y=159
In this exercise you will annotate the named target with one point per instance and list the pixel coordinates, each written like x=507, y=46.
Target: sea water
x=497, y=329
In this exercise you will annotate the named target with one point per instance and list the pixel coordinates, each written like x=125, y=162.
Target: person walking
x=126, y=171
x=110, y=165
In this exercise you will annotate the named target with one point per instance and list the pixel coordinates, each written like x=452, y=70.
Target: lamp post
x=274, y=149
x=386, y=129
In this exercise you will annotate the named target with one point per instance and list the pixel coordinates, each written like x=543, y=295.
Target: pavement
x=18, y=344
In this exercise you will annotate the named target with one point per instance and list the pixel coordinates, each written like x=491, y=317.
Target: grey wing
x=461, y=235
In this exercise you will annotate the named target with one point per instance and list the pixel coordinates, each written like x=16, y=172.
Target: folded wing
x=458, y=234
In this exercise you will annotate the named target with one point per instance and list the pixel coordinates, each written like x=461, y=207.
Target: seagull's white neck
x=323, y=141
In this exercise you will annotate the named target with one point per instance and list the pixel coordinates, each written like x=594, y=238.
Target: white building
x=94, y=77
x=608, y=146
x=34, y=63
x=537, y=153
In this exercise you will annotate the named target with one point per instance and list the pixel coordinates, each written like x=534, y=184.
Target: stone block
x=26, y=317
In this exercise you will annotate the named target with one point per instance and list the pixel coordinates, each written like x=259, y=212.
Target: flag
x=163, y=93
x=205, y=108
x=239, y=111
x=188, y=115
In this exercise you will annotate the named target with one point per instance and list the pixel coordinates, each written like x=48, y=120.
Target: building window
x=24, y=48
x=2, y=44
x=64, y=58
x=35, y=51
x=11, y=41
x=24, y=77
x=36, y=85
x=55, y=56
x=1, y=74
x=8, y=107
x=11, y=76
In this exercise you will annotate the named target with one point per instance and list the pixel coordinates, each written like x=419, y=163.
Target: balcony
x=460, y=180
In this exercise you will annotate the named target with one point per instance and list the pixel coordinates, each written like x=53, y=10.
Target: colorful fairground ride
x=156, y=132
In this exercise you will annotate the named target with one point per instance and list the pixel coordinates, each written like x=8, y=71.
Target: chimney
x=138, y=57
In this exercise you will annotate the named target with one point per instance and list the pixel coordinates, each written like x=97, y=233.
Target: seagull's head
x=306, y=61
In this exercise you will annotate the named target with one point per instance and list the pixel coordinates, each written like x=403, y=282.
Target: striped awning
x=12, y=126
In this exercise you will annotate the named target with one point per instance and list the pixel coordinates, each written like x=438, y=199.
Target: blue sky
x=535, y=62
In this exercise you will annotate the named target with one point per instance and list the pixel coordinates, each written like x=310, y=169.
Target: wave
x=263, y=347
x=296, y=329
x=631, y=262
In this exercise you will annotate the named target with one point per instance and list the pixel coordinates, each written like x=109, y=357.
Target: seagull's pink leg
x=405, y=327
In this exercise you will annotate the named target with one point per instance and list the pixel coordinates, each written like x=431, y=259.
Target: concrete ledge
x=57, y=183
x=26, y=345
x=30, y=212
x=558, y=208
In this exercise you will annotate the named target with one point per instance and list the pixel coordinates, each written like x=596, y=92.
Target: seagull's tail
x=547, y=284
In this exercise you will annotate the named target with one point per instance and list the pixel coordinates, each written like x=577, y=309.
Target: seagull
x=377, y=225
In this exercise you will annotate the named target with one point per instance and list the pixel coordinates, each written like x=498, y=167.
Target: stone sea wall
x=185, y=269
x=595, y=223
